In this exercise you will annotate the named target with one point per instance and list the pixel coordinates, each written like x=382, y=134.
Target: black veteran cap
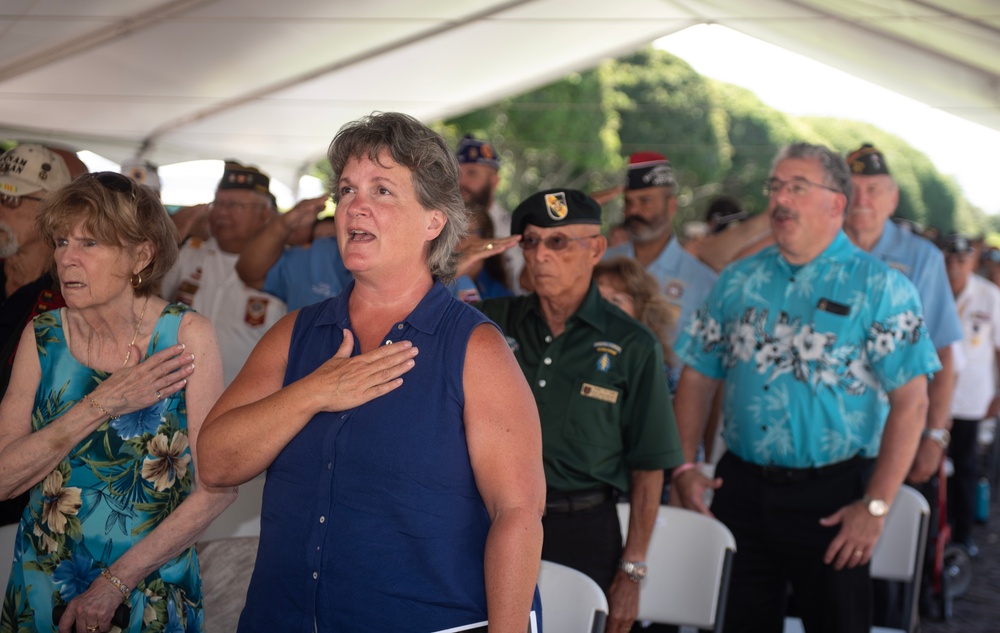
x=956, y=244
x=648, y=169
x=867, y=161
x=237, y=176
x=471, y=150
x=555, y=207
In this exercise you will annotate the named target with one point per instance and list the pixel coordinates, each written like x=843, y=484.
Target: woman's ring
x=159, y=396
x=489, y=246
x=93, y=627
x=858, y=552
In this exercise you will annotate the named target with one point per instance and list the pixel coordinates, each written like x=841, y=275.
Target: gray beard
x=8, y=241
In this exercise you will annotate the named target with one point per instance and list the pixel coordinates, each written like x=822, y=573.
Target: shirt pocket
x=594, y=415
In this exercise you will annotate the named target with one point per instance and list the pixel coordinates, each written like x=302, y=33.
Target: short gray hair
x=836, y=173
x=434, y=168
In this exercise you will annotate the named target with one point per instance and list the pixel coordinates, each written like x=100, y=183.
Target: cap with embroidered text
x=30, y=167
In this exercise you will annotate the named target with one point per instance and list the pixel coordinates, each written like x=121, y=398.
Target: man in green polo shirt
x=598, y=380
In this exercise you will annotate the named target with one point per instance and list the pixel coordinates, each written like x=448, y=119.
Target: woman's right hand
x=347, y=382
x=141, y=384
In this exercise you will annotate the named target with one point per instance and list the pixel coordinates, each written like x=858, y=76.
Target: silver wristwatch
x=941, y=437
x=636, y=572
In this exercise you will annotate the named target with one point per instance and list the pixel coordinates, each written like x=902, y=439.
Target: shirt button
x=329, y=465
x=548, y=339
x=322, y=519
x=315, y=575
x=388, y=342
x=541, y=383
x=399, y=327
x=547, y=361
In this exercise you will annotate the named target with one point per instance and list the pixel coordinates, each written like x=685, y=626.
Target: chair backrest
x=896, y=554
x=899, y=553
x=571, y=601
x=226, y=567
x=689, y=558
x=7, y=535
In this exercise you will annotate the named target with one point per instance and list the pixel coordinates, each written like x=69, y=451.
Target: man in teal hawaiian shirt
x=824, y=360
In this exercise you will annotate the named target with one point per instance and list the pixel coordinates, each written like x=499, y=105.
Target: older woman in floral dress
x=100, y=423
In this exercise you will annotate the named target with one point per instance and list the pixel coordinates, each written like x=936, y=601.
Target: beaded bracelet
x=119, y=585
x=97, y=405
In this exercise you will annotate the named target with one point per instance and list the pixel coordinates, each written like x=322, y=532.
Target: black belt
x=570, y=502
x=779, y=475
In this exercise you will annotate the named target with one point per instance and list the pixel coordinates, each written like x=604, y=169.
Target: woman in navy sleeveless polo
x=404, y=491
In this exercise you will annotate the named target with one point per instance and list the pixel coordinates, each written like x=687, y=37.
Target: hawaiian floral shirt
x=808, y=353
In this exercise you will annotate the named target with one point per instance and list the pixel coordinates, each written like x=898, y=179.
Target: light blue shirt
x=684, y=279
x=302, y=276
x=922, y=263
x=808, y=353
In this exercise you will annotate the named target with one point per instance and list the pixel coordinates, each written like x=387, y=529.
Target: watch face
x=878, y=508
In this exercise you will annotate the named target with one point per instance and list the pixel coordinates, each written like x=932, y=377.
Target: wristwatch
x=876, y=507
x=941, y=437
x=636, y=572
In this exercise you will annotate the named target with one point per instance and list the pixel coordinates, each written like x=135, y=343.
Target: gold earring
x=136, y=280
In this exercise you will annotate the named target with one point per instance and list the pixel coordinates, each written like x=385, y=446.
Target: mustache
x=783, y=213
x=635, y=220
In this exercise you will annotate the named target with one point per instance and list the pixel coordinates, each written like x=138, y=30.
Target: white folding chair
x=690, y=558
x=7, y=535
x=571, y=601
x=898, y=555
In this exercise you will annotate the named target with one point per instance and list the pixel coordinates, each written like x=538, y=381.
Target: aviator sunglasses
x=555, y=242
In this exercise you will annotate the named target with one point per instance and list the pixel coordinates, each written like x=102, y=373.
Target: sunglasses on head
x=114, y=181
x=555, y=242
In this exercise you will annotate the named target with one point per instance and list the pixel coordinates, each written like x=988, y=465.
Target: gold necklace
x=135, y=335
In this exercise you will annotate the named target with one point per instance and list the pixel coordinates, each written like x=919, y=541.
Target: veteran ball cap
x=956, y=244
x=143, y=172
x=867, y=161
x=648, y=169
x=30, y=167
x=478, y=152
x=237, y=176
x=555, y=207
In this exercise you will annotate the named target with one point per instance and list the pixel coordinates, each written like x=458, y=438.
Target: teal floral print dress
x=106, y=495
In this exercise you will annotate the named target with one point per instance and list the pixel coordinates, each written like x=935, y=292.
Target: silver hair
x=836, y=173
x=434, y=168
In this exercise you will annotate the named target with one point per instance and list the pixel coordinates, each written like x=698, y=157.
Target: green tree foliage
x=720, y=138
x=561, y=135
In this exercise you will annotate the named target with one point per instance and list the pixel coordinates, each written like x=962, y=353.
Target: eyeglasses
x=13, y=202
x=555, y=242
x=114, y=182
x=795, y=187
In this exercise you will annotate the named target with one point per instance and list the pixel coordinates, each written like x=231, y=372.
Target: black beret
x=555, y=207
x=867, y=161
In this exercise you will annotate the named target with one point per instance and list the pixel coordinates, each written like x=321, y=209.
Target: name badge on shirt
x=833, y=307
x=599, y=393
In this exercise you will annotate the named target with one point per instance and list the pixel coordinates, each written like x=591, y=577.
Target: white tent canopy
x=269, y=83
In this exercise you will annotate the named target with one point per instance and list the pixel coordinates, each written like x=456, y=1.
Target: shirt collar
x=591, y=311
x=839, y=249
x=425, y=317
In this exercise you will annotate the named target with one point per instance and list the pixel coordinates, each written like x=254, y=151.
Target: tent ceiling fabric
x=270, y=82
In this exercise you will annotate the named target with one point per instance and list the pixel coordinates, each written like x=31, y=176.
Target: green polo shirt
x=600, y=389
